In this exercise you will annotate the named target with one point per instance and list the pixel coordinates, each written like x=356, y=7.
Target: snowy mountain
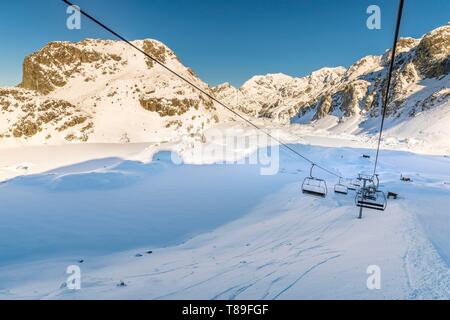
x=356, y=91
x=103, y=91
x=278, y=96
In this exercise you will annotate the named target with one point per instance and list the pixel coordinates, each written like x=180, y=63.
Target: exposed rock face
x=175, y=106
x=51, y=67
x=324, y=106
x=354, y=95
x=30, y=114
x=433, y=53
x=158, y=51
x=171, y=107
x=440, y=96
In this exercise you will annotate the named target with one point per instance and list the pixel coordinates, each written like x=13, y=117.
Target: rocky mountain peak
x=116, y=91
x=433, y=53
x=327, y=75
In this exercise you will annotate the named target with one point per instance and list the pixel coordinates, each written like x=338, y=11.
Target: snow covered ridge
x=33, y=114
x=104, y=91
x=357, y=90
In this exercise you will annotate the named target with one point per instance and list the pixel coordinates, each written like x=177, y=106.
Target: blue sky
x=222, y=40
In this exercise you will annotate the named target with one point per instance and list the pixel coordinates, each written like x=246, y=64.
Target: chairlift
x=314, y=186
x=354, y=184
x=364, y=176
x=340, y=187
x=369, y=196
x=375, y=199
x=357, y=183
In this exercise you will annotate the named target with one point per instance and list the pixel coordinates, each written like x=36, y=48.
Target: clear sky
x=222, y=40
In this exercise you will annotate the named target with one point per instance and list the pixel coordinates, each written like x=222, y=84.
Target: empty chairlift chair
x=314, y=186
x=369, y=196
x=340, y=187
x=357, y=183
x=354, y=184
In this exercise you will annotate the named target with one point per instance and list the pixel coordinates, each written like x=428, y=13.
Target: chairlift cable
x=201, y=90
x=391, y=67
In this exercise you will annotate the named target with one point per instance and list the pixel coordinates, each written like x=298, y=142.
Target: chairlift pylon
x=314, y=186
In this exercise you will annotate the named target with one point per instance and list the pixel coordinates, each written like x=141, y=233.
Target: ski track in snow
x=283, y=246
x=304, y=274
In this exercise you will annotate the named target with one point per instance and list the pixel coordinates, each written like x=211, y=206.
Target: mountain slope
x=166, y=237
x=356, y=91
x=103, y=91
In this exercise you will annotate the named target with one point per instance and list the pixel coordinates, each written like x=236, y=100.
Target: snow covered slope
x=169, y=232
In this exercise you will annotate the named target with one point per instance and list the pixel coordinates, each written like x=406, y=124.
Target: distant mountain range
x=357, y=90
x=105, y=91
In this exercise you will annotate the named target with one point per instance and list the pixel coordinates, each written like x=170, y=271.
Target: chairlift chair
x=314, y=186
x=364, y=176
x=371, y=199
x=355, y=184
x=340, y=187
x=370, y=196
